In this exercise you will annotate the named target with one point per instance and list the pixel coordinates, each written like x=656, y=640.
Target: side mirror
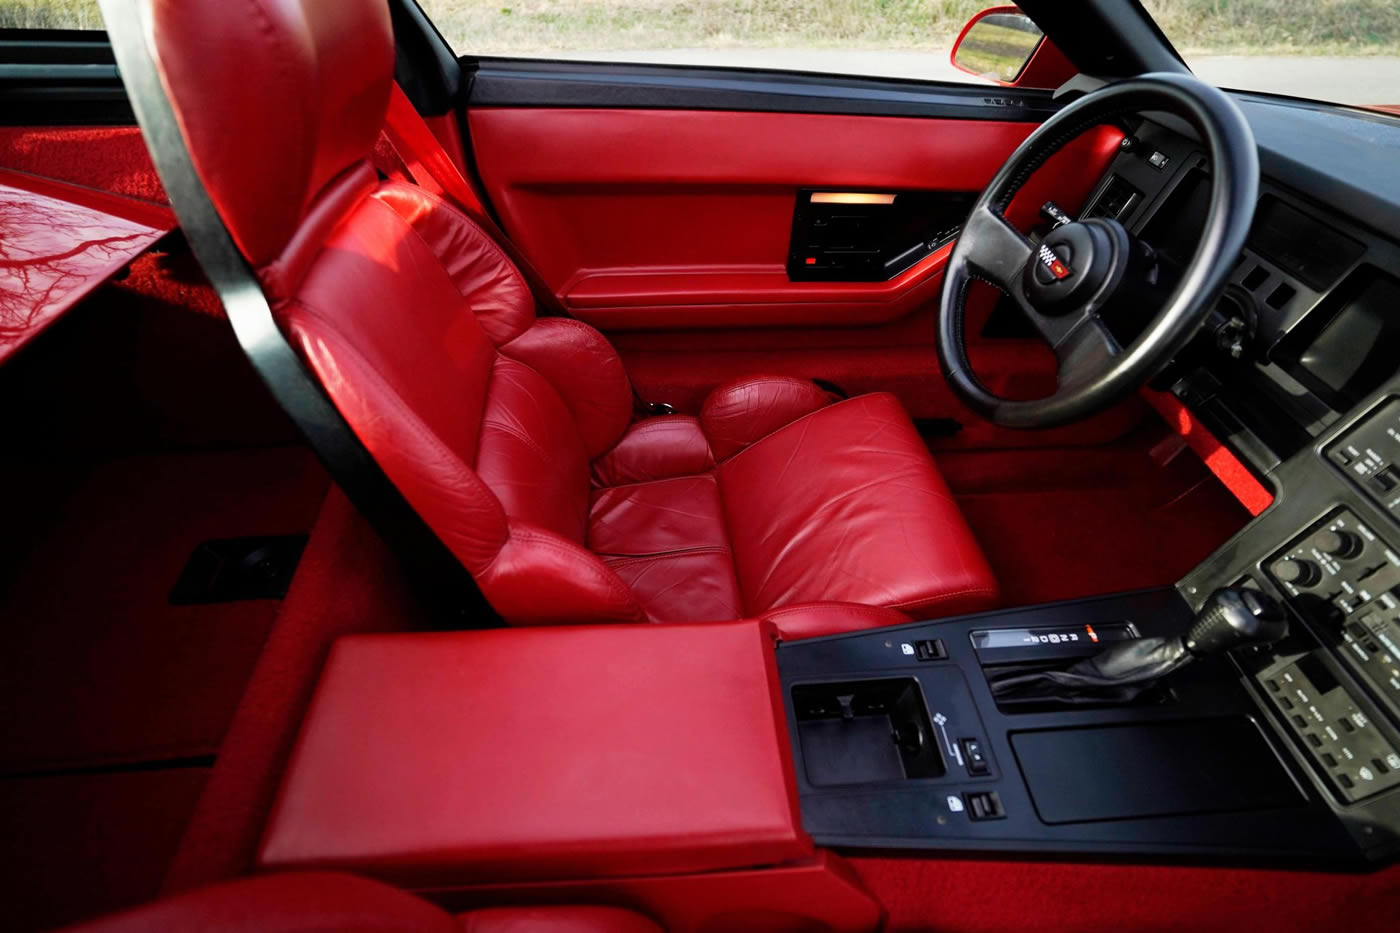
x=996, y=44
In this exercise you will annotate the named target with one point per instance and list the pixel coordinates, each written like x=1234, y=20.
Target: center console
x=1192, y=767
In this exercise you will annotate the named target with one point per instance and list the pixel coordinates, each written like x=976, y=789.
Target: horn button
x=1072, y=265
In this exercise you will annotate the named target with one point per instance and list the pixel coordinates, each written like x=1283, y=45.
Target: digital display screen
x=1300, y=245
x=1355, y=350
x=1052, y=635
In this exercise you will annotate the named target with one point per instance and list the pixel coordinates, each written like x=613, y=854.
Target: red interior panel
x=419, y=762
x=58, y=242
x=645, y=219
x=816, y=894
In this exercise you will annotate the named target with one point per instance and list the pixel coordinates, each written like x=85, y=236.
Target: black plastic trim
x=60, y=77
x=502, y=82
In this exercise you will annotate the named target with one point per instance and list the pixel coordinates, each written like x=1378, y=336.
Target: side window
x=869, y=38
x=50, y=14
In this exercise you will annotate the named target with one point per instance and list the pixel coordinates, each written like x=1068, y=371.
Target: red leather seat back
x=399, y=303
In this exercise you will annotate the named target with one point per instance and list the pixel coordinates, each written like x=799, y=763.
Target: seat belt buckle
x=653, y=409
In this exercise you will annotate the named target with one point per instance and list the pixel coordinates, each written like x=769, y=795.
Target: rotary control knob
x=1339, y=544
x=1297, y=571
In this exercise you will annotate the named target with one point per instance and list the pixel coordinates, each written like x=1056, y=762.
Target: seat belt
x=430, y=167
x=425, y=558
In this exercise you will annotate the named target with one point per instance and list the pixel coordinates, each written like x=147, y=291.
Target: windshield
x=1340, y=51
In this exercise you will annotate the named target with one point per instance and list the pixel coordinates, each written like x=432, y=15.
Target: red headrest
x=275, y=99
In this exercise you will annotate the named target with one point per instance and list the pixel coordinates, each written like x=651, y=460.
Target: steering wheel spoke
x=1085, y=350
x=995, y=250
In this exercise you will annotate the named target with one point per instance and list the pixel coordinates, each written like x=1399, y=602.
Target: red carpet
x=75, y=846
x=1064, y=523
x=97, y=666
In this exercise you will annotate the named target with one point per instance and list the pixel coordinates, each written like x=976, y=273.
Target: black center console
x=1193, y=767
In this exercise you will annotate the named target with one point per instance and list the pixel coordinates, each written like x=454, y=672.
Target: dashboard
x=1296, y=371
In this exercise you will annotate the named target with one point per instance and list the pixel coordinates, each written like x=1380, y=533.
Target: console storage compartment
x=547, y=753
x=865, y=731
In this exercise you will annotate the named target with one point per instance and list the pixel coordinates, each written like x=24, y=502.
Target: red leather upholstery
x=321, y=901
x=509, y=435
x=525, y=754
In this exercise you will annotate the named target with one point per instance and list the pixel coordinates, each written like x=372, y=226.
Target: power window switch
x=931, y=649
x=975, y=757
x=984, y=805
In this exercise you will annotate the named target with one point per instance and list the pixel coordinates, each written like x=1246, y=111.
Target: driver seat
x=512, y=436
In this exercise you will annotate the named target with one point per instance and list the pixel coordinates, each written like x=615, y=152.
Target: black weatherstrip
x=60, y=77
x=521, y=83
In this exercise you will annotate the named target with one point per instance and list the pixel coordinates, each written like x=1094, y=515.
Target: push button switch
x=984, y=805
x=976, y=759
x=930, y=649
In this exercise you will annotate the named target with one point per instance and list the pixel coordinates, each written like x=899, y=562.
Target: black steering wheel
x=1065, y=283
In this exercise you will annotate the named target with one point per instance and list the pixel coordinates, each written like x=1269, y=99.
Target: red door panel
x=669, y=230
x=656, y=219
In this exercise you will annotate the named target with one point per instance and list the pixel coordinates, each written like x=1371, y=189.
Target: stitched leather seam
x=944, y=597
x=845, y=401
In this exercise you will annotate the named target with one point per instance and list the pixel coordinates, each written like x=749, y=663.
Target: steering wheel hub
x=1071, y=267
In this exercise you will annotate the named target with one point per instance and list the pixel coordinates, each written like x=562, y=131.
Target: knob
x=1340, y=544
x=1235, y=616
x=1297, y=571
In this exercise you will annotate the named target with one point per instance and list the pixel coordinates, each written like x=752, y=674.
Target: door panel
x=670, y=228
x=665, y=219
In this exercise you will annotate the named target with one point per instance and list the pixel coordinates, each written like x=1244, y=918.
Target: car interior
x=487, y=493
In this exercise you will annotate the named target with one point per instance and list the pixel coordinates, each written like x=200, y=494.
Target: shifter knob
x=1232, y=617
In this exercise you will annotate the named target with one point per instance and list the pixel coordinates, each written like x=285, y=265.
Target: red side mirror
x=1005, y=46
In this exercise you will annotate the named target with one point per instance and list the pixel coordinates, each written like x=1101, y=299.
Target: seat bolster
x=740, y=412
x=587, y=372
x=812, y=620
x=541, y=578
x=556, y=920
x=654, y=449
x=493, y=288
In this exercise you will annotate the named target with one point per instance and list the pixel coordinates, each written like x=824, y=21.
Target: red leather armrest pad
x=539, y=754
x=740, y=412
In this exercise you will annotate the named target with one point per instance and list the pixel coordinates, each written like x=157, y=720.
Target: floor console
x=901, y=744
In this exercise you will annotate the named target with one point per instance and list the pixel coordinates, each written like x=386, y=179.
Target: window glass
x=50, y=14
x=884, y=38
x=1341, y=51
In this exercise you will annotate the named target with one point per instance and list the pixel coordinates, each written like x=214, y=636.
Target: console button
x=977, y=763
x=984, y=805
x=931, y=649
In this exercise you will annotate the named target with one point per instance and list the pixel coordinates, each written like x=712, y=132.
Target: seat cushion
x=842, y=504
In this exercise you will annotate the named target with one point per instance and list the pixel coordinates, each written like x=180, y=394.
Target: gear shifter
x=1230, y=618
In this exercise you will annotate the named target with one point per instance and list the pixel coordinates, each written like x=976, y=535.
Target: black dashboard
x=1276, y=754
x=1297, y=373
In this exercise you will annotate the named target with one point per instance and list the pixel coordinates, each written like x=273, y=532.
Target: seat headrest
x=275, y=98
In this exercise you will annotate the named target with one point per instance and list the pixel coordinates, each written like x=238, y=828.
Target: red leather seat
x=512, y=436
x=323, y=901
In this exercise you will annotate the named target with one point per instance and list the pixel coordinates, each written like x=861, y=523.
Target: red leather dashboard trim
x=516, y=754
x=1242, y=485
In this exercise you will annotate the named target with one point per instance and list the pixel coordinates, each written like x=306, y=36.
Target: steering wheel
x=1064, y=284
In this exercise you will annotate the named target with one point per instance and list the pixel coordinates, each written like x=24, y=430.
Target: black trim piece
x=56, y=77
x=425, y=558
x=1106, y=38
x=500, y=82
x=424, y=65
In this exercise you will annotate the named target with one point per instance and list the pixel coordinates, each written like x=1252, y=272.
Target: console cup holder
x=865, y=732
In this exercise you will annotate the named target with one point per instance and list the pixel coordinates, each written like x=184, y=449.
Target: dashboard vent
x=1116, y=199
